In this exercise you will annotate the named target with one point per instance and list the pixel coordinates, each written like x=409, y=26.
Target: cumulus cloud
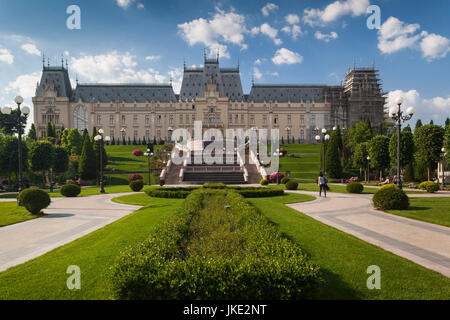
x=285, y=56
x=140, y=6
x=176, y=75
x=31, y=49
x=152, y=58
x=325, y=37
x=24, y=85
x=224, y=27
x=6, y=56
x=124, y=3
x=434, y=46
x=334, y=11
x=114, y=67
x=267, y=30
x=293, y=30
x=436, y=108
x=256, y=73
x=292, y=19
x=268, y=8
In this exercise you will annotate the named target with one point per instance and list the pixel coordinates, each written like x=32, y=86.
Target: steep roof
x=287, y=92
x=59, y=77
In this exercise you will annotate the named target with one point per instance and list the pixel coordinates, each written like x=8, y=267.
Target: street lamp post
x=368, y=169
x=398, y=116
x=149, y=154
x=443, y=167
x=325, y=137
x=100, y=140
x=25, y=111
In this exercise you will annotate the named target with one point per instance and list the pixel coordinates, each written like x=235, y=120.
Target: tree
x=333, y=165
x=87, y=166
x=61, y=160
x=360, y=156
x=360, y=133
x=447, y=124
x=431, y=121
x=379, y=153
x=9, y=155
x=75, y=142
x=32, y=136
x=406, y=148
x=447, y=142
x=418, y=125
x=346, y=152
x=96, y=147
x=429, y=141
x=8, y=122
x=49, y=131
x=41, y=156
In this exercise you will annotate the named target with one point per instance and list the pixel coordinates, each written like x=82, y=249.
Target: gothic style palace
x=209, y=94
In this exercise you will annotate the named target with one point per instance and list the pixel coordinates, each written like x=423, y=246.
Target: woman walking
x=322, y=182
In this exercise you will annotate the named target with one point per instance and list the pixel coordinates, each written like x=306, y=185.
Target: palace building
x=209, y=94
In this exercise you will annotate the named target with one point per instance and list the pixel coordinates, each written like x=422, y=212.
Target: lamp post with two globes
x=399, y=116
x=22, y=111
x=325, y=137
x=100, y=140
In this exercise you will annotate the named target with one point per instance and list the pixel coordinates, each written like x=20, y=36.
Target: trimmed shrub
x=183, y=192
x=34, y=200
x=291, y=185
x=390, y=198
x=137, y=153
x=135, y=176
x=429, y=186
x=70, y=190
x=355, y=187
x=182, y=261
x=211, y=185
x=276, y=177
x=136, y=185
x=390, y=185
x=264, y=182
x=285, y=180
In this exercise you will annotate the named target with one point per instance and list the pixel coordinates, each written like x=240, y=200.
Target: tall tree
x=9, y=155
x=32, y=136
x=60, y=160
x=360, y=156
x=75, y=142
x=447, y=143
x=8, y=122
x=429, y=141
x=360, y=133
x=418, y=124
x=87, y=166
x=333, y=165
x=447, y=123
x=41, y=156
x=407, y=148
x=379, y=153
x=49, y=132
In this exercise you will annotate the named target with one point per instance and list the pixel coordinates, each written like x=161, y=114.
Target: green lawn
x=433, y=210
x=344, y=259
x=305, y=162
x=11, y=213
x=45, y=277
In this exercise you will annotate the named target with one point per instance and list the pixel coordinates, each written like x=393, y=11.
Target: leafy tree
x=429, y=141
x=346, y=152
x=418, y=125
x=8, y=122
x=333, y=165
x=358, y=134
x=431, y=121
x=84, y=135
x=65, y=140
x=379, y=153
x=360, y=156
x=113, y=141
x=447, y=142
x=87, y=166
x=94, y=134
x=9, y=156
x=32, y=136
x=144, y=142
x=74, y=142
x=42, y=155
x=61, y=160
x=406, y=148
x=50, y=132
x=447, y=124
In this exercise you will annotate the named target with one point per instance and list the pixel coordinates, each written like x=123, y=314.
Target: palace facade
x=209, y=94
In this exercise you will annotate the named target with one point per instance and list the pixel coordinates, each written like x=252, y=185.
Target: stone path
x=424, y=243
x=66, y=219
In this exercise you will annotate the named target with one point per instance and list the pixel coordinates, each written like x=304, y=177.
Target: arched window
x=80, y=118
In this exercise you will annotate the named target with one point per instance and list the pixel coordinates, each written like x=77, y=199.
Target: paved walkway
x=66, y=219
x=424, y=243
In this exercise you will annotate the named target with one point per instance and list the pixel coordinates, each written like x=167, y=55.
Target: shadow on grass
x=417, y=209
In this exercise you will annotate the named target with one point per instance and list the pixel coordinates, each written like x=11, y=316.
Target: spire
x=48, y=62
x=217, y=55
x=76, y=77
x=204, y=53
x=43, y=60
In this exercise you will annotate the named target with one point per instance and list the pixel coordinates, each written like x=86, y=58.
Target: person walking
x=322, y=182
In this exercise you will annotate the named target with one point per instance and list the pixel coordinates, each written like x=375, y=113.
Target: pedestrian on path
x=322, y=182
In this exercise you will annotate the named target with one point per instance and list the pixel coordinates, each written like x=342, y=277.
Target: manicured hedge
x=211, y=185
x=136, y=185
x=292, y=185
x=390, y=198
x=70, y=190
x=264, y=182
x=285, y=180
x=34, y=200
x=429, y=186
x=183, y=192
x=183, y=261
x=355, y=187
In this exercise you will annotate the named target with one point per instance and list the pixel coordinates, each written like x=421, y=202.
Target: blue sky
x=275, y=42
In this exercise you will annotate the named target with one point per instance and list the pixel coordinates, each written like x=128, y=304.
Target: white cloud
x=223, y=27
x=259, y=61
x=326, y=37
x=152, y=58
x=176, y=75
x=396, y=35
x=334, y=11
x=434, y=46
x=124, y=3
x=269, y=7
x=31, y=49
x=24, y=85
x=6, y=56
x=114, y=67
x=256, y=73
x=292, y=19
x=437, y=108
x=285, y=56
x=267, y=30
x=294, y=31
x=275, y=74
x=140, y=6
